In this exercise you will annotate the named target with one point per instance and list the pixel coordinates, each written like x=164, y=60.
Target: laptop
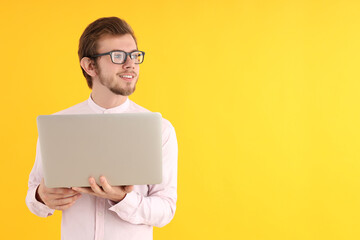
x=126, y=148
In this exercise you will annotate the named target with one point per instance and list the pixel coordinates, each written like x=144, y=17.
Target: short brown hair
x=94, y=31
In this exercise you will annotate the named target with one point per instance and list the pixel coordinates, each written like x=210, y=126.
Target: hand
x=56, y=198
x=113, y=193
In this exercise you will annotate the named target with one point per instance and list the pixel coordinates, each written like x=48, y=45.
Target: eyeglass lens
x=120, y=57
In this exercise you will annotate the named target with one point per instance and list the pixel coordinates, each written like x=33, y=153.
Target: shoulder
x=167, y=126
x=168, y=131
x=82, y=107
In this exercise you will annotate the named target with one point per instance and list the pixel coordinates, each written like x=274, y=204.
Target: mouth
x=127, y=76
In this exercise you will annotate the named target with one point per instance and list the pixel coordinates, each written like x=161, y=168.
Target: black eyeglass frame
x=126, y=55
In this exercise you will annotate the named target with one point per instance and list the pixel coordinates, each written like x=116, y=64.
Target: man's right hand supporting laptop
x=56, y=198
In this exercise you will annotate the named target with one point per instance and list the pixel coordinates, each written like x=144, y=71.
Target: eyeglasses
x=119, y=57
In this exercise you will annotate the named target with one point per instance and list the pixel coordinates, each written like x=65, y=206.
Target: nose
x=129, y=63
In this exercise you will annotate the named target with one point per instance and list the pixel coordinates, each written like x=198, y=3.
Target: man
x=110, y=60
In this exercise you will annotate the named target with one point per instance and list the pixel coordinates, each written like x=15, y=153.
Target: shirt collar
x=118, y=109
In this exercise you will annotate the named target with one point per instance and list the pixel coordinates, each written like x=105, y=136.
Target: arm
x=36, y=175
x=41, y=200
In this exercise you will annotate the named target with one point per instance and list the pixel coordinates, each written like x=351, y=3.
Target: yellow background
x=264, y=96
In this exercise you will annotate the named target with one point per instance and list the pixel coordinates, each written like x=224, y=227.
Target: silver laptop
x=126, y=148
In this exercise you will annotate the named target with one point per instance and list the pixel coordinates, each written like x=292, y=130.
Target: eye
x=118, y=55
x=137, y=56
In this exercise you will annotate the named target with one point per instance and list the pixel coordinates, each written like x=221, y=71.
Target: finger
x=63, y=191
x=64, y=207
x=61, y=196
x=86, y=190
x=95, y=187
x=65, y=201
x=128, y=188
x=83, y=189
x=51, y=197
x=105, y=185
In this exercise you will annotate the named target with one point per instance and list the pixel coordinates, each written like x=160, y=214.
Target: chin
x=122, y=91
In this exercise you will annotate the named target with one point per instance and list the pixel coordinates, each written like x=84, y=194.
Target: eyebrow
x=123, y=50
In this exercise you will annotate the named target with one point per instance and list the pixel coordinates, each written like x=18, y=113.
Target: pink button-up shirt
x=134, y=217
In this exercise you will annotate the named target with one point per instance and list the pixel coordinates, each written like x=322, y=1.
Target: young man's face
x=120, y=79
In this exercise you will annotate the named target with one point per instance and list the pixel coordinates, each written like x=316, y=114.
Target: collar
x=118, y=109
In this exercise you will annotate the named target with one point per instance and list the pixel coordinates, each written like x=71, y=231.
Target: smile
x=127, y=76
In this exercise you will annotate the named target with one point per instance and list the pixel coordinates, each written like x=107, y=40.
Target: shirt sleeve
x=158, y=207
x=35, y=177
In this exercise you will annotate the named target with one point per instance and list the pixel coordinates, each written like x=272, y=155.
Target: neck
x=103, y=97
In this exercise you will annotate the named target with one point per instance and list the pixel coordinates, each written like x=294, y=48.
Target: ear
x=88, y=65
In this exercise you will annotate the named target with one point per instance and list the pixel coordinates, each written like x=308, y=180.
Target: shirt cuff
x=37, y=207
x=126, y=207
